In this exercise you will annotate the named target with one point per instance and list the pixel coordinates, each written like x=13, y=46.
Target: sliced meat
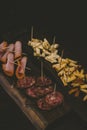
x=41, y=103
x=3, y=48
x=42, y=91
x=20, y=70
x=32, y=92
x=10, y=49
x=18, y=49
x=37, y=92
x=55, y=98
x=1, y=53
x=8, y=68
x=26, y=82
x=43, y=81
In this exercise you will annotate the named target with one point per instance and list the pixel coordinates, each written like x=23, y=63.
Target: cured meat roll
x=20, y=70
x=8, y=68
x=26, y=82
x=3, y=46
x=18, y=49
x=10, y=49
x=37, y=92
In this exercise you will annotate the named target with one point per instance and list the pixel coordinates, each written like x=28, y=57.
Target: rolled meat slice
x=10, y=49
x=3, y=48
x=26, y=82
x=8, y=68
x=18, y=49
x=55, y=98
x=43, y=81
x=3, y=45
x=20, y=70
x=37, y=92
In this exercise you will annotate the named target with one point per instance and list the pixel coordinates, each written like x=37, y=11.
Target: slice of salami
x=43, y=105
x=54, y=98
x=43, y=81
x=26, y=82
x=42, y=91
x=31, y=92
x=37, y=92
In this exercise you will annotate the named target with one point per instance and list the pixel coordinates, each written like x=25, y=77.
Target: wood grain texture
x=40, y=119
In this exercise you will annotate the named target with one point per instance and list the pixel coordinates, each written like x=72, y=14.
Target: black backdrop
x=66, y=21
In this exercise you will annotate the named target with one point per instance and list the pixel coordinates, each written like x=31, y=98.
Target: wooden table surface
x=12, y=118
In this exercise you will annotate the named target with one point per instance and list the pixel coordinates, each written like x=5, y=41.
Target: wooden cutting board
x=40, y=119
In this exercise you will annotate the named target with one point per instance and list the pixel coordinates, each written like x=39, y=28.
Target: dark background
x=67, y=22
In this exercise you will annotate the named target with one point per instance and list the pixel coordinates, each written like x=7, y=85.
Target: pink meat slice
x=26, y=82
x=37, y=92
x=54, y=98
x=31, y=92
x=18, y=49
x=10, y=49
x=43, y=105
x=22, y=66
x=43, y=81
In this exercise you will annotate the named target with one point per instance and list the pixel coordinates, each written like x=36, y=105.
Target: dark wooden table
x=12, y=118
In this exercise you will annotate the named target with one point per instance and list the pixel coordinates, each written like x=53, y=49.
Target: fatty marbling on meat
x=37, y=92
x=43, y=81
x=26, y=82
x=50, y=101
x=55, y=98
x=41, y=103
